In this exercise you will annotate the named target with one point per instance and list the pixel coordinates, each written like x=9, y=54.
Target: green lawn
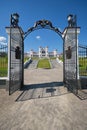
x=61, y=58
x=3, y=66
x=3, y=72
x=25, y=59
x=83, y=66
x=35, y=58
x=44, y=63
x=52, y=58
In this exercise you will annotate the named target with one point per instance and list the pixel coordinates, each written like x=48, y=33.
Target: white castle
x=43, y=52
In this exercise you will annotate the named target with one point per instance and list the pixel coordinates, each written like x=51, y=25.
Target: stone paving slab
x=34, y=93
x=33, y=64
x=65, y=112
x=61, y=112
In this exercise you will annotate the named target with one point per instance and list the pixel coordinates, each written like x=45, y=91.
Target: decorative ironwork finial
x=71, y=20
x=14, y=19
x=43, y=23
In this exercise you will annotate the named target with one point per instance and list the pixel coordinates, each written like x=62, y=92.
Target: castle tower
x=46, y=51
x=43, y=52
x=31, y=53
x=40, y=51
x=55, y=53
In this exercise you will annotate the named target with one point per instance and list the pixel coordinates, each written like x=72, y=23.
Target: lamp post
x=14, y=19
x=71, y=20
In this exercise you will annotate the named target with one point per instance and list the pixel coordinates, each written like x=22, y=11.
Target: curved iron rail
x=42, y=24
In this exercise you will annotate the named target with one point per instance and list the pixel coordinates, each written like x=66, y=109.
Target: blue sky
x=54, y=10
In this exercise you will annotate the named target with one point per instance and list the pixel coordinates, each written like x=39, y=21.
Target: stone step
x=33, y=64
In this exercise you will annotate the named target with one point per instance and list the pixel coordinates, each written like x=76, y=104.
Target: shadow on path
x=43, y=90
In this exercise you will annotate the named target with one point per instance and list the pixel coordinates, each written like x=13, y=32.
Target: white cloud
x=37, y=37
x=3, y=41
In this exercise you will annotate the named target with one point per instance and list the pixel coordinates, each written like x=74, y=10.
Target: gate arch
x=43, y=24
x=70, y=51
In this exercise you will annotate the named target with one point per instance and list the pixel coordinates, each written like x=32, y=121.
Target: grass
x=35, y=58
x=26, y=58
x=61, y=58
x=52, y=58
x=44, y=63
x=3, y=72
x=3, y=66
x=83, y=66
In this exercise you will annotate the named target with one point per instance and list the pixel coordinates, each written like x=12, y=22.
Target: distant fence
x=82, y=84
x=3, y=60
x=82, y=60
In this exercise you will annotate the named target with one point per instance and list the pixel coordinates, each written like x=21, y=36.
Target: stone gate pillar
x=15, y=57
x=71, y=64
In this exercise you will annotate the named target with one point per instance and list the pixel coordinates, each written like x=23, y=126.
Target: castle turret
x=46, y=50
x=40, y=51
x=31, y=53
x=55, y=53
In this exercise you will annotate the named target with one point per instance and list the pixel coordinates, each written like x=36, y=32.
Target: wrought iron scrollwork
x=46, y=24
x=43, y=23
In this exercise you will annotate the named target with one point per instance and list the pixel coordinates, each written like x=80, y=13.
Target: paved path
x=36, y=76
x=60, y=112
